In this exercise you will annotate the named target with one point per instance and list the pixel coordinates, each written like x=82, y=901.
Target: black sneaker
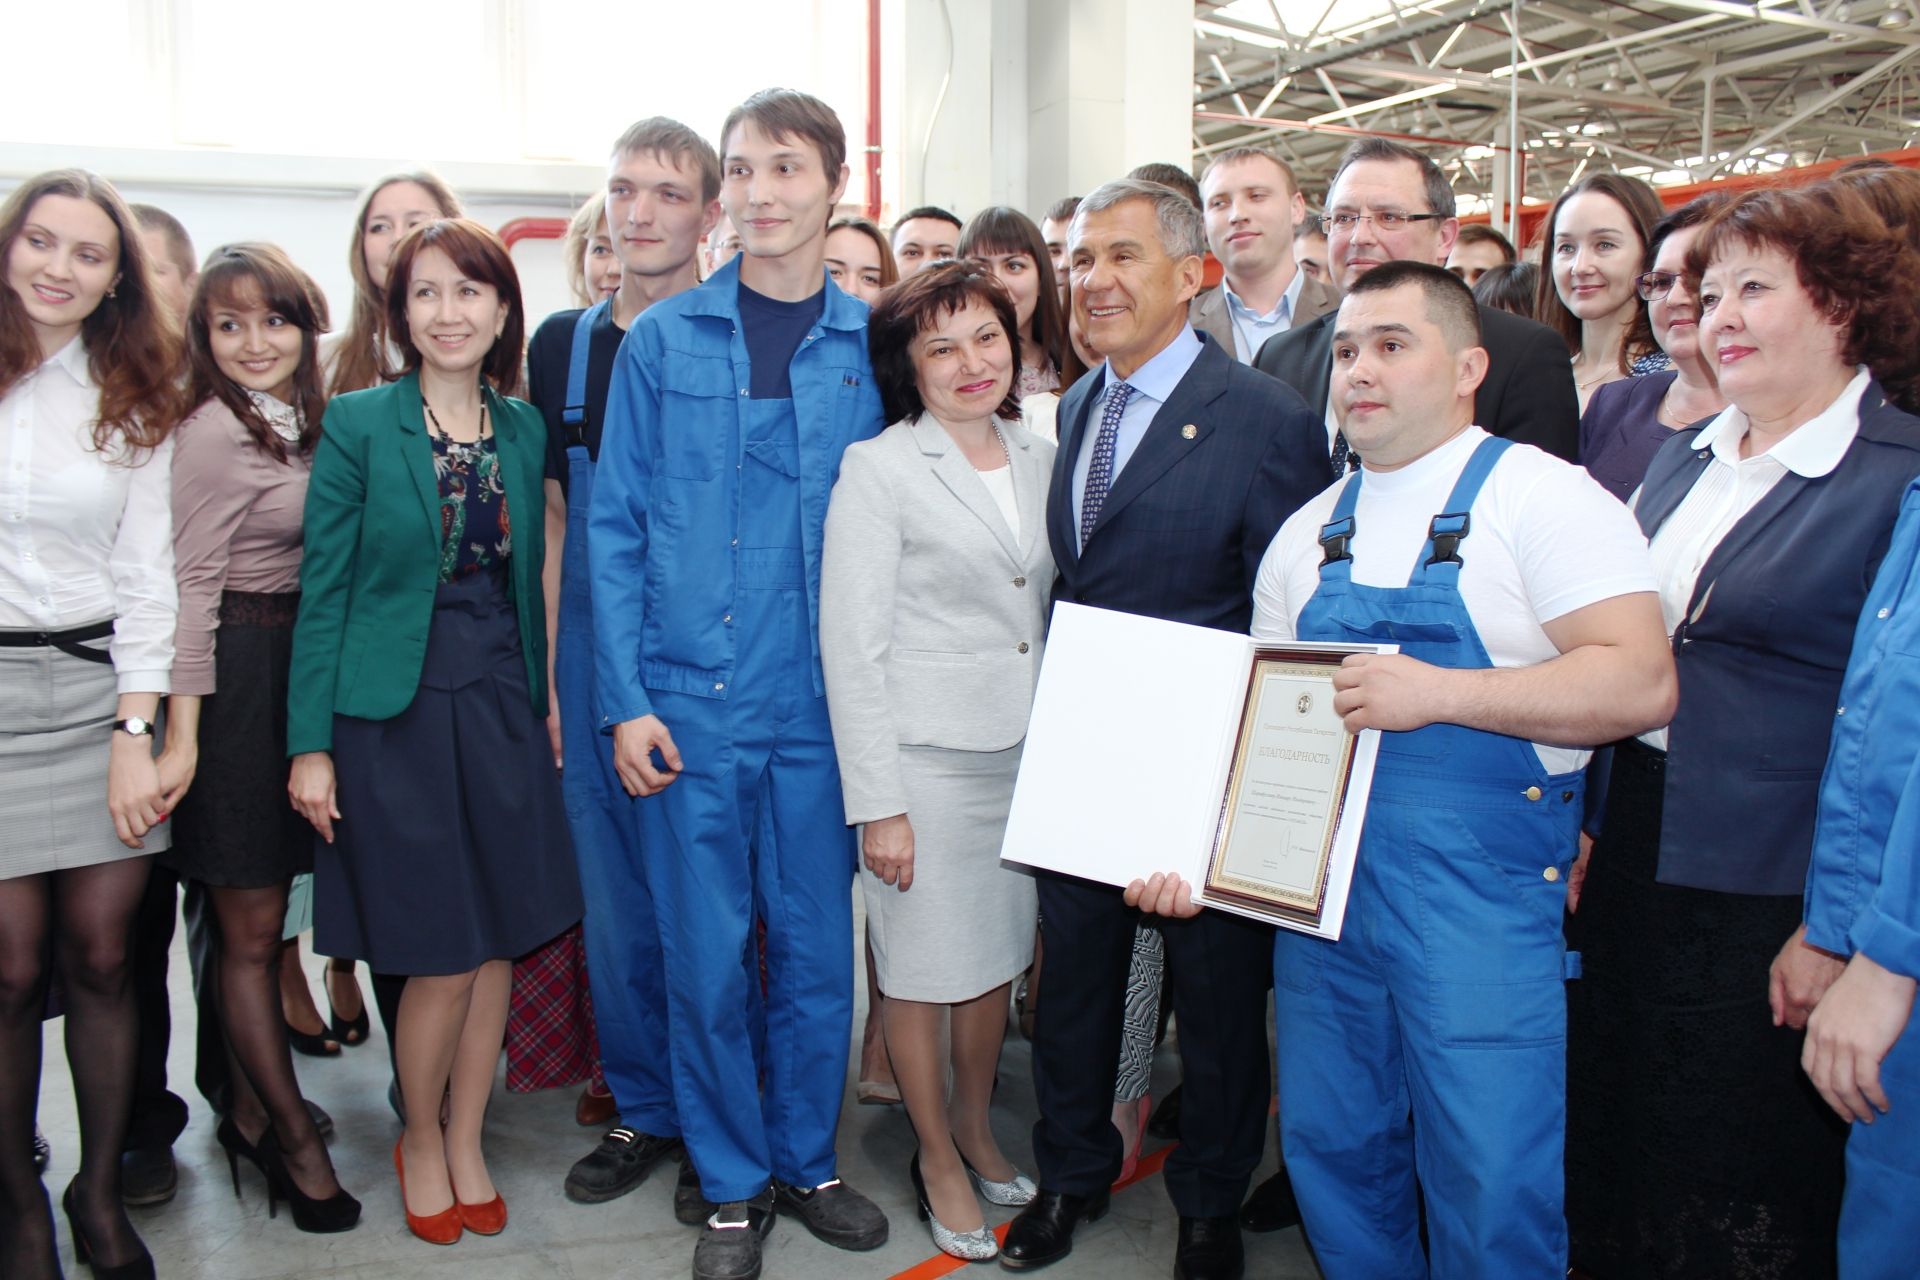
x=620, y=1163
x=690, y=1204
x=42, y=1151
x=729, y=1247
x=148, y=1176
x=836, y=1213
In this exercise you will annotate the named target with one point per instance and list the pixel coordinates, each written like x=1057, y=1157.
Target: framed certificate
x=1156, y=746
x=1287, y=788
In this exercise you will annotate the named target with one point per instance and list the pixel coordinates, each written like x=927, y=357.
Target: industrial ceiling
x=1675, y=91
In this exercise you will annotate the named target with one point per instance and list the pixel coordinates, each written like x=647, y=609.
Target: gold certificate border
x=1305, y=908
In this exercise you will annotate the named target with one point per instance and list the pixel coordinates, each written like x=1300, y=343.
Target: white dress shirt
x=1730, y=487
x=84, y=536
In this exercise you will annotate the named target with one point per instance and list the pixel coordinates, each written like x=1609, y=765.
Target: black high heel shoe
x=338, y=1212
x=235, y=1144
x=313, y=1044
x=347, y=1031
x=141, y=1268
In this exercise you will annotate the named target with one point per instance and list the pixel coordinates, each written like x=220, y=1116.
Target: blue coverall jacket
x=666, y=518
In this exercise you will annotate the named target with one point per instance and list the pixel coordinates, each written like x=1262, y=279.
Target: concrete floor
x=205, y=1234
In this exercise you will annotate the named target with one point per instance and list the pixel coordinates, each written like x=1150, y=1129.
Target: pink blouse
x=236, y=527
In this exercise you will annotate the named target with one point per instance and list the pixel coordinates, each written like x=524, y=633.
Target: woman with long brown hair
x=88, y=393
x=364, y=354
x=239, y=485
x=1597, y=235
x=1011, y=246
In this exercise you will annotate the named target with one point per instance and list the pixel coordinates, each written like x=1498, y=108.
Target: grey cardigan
x=932, y=613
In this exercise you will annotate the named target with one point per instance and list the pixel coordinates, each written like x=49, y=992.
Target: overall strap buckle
x=1444, y=534
x=1336, y=539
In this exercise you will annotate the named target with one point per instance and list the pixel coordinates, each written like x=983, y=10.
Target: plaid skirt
x=550, y=1036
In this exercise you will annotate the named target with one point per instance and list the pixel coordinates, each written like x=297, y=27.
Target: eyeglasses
x=1382, y=219
x=1655, y=285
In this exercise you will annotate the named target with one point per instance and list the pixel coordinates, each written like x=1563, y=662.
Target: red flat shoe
x=488, y=1219
x=439, y=1228
x=594, y=1109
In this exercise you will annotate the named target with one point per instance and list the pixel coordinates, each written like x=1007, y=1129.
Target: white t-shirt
x=1546, y=540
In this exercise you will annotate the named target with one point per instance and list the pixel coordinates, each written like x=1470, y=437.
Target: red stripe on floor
x=941, y=1264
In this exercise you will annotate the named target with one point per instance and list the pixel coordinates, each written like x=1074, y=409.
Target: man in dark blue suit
x=1177, y=464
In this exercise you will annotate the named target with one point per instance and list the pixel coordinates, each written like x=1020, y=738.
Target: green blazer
x=371, y=562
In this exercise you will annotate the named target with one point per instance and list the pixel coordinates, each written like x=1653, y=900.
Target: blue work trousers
x=624, y=966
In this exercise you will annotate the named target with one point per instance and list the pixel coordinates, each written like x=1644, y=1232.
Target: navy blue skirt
x=452, y=845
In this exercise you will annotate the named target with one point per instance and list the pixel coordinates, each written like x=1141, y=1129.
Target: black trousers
x=1218, y=969
x=159, y=1114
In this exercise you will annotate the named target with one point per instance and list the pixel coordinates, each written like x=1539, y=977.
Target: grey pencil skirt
x=56, y=732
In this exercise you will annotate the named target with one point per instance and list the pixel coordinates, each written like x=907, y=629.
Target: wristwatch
x=135, y=726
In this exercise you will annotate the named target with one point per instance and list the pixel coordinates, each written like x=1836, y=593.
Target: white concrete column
x=1043, y=98
x=1109, y=86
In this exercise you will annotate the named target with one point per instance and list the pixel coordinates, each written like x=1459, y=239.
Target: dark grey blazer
x=1763, y=651
x=1527, y=395
x=1229, y=456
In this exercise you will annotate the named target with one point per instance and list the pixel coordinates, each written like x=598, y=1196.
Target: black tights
x=265, y=1091
x=84, y=915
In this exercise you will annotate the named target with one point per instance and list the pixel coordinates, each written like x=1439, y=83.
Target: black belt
x=68, y=641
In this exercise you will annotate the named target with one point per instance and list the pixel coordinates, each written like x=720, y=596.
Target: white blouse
x=999, y=482
x=1730, y=487
x=84, y=536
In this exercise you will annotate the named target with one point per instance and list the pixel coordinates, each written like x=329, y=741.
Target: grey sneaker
x=836, y=1213
x=729, y=1247
x=690, y=1205
x=620, y=1163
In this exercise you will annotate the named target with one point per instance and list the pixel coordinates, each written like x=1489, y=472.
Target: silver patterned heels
x=1014, y=1192
x=975, y=1246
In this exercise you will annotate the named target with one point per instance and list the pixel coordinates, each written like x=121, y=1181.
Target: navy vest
x=1762, y=650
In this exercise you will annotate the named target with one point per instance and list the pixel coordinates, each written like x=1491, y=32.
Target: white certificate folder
x=1130, y=751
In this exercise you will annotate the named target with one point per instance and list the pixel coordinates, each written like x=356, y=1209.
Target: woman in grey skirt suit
x=933, y=592
x=88, y=394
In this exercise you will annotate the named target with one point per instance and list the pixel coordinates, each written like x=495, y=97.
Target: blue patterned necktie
x=1343, y=455
x=1100, y=467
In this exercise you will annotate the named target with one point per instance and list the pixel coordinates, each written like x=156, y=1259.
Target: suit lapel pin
x=1189, y=431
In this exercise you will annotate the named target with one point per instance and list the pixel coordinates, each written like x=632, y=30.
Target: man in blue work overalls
x=662, y=197
x=1424, y=1053
x=730, y=407
x=1863, y=903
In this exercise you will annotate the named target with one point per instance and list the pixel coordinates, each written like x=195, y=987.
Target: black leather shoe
x=690, y=1204
x=729, y=1246
x=1271, y=1207
x=1043, y=1233
x=1209, y=1249
x=620, y=1163
x=148, y=1176
x=1165, y=1120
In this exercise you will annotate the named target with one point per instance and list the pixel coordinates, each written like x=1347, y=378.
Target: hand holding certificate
x=1156, y=746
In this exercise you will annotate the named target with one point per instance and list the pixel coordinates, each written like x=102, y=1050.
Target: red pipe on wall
x=873, y=110
x=517, y=229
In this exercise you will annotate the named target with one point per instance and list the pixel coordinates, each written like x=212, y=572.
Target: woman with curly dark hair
x=240, y=469
x=88, y=362
x=1695, y=1146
